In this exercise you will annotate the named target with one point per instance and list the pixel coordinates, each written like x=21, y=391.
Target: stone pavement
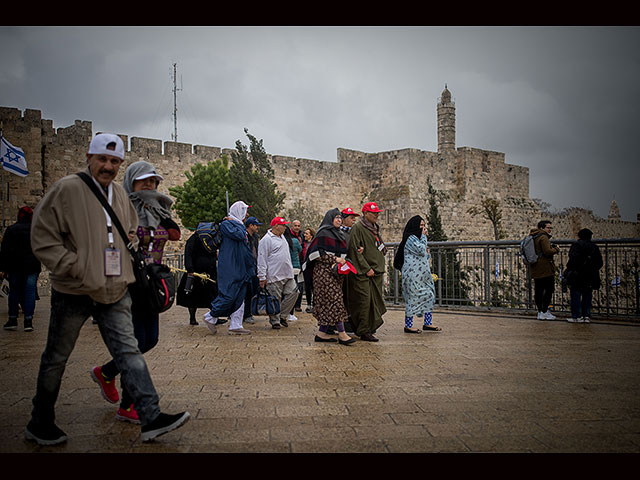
x=486, y=383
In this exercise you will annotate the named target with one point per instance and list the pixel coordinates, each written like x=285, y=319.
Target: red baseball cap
x=371, y=207
x=278, y=221
x=349, y=211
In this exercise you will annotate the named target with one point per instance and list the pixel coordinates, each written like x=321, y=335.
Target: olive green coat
x=365, y=300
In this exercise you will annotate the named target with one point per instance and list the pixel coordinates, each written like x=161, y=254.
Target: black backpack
x=210, y=235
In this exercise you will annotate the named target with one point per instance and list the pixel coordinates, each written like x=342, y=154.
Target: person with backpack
x=583, y=275
x=196, y=291
x=543, y=270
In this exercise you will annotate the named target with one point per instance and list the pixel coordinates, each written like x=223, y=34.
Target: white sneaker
x=574, y=320
x=292, y=317
x=585, y=320
x=541, y=316
x=548, y=315
x=249, y=320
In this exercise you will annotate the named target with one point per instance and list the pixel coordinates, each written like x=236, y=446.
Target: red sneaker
x=128, y=415
x=107, y=387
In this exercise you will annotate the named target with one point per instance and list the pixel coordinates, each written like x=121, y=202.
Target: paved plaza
x=486, y=383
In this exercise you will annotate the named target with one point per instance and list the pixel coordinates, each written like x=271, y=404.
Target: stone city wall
x=397, y=180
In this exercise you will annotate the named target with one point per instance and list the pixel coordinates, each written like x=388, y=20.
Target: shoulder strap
x=114, y=218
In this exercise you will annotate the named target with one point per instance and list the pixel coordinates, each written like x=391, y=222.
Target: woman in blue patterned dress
x=412, y=259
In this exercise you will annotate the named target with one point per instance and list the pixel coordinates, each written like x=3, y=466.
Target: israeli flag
x=13, y=158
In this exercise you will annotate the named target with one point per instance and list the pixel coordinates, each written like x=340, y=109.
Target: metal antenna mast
x=175, y=107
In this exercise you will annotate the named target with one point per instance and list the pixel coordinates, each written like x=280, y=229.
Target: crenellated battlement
x=396, y=179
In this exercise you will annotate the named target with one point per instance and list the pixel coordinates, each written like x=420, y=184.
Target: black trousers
x=544, y=291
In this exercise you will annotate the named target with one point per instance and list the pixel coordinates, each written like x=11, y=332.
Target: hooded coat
x=236, y=265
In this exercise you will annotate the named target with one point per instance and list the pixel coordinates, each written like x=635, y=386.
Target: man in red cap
x=349, y=217
x=367, y=251
x=275, y=270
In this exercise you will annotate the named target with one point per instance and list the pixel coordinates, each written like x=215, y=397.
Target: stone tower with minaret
x=614, y=211
x=446, y=123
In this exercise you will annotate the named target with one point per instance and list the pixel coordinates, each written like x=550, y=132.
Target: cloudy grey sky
x=562, y=101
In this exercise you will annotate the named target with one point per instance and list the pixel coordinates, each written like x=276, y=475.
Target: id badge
x=381, y=246
x=112, y=262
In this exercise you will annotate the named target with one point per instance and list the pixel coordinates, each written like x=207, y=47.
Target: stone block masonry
x=397, y=180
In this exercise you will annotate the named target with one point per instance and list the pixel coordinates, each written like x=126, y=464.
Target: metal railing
x=492, y=276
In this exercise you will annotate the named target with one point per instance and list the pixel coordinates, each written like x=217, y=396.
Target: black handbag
x=155, y=285
x=264, y=303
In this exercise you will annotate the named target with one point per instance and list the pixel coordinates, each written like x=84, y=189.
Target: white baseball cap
x=149, y=175
x=98, y=145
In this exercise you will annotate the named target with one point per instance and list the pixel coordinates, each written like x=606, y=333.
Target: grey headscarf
x=151, y=205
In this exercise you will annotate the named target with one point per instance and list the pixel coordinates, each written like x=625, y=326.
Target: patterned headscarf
x=328, y=239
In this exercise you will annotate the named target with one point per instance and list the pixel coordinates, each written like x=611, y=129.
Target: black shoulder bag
x=155, y=285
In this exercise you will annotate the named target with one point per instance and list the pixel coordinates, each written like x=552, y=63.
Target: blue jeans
x=580, y=302
x=146, y=330
x=68, y=314
x=22, y=290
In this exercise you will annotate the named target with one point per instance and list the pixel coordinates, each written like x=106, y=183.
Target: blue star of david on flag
x=13, y=159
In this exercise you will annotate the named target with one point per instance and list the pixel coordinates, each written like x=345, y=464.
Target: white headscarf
x=238, y=211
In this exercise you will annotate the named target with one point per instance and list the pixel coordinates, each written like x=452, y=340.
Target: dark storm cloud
x=562, y=101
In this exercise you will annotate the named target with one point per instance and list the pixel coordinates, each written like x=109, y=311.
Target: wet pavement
x=485, y=383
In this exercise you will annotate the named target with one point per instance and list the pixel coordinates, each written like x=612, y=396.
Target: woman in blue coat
x=235, y=270
x=412, y=259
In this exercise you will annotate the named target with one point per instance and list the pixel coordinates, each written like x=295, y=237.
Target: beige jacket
x=69, y=236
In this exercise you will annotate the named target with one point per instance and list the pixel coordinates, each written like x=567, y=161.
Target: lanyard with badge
x=112, y=255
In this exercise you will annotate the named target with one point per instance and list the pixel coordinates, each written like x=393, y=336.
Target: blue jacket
x=236, y=267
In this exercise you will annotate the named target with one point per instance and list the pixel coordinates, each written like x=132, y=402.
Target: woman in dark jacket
x=328, y=248
x=583, y=275
x=22, y=268
x=195, y=291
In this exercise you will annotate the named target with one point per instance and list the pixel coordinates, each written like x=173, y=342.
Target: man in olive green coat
x=366, y=251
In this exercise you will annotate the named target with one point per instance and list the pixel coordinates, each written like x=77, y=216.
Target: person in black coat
x=22, y=268
x=583, y=275
x=193, y=291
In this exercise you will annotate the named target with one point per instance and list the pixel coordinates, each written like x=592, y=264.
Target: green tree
x=444, y=260
x=203, y=196
x=251, y=176
x=435, y=232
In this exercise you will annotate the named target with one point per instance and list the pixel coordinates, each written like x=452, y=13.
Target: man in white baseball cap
x=90, y=272
x=105, y=155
